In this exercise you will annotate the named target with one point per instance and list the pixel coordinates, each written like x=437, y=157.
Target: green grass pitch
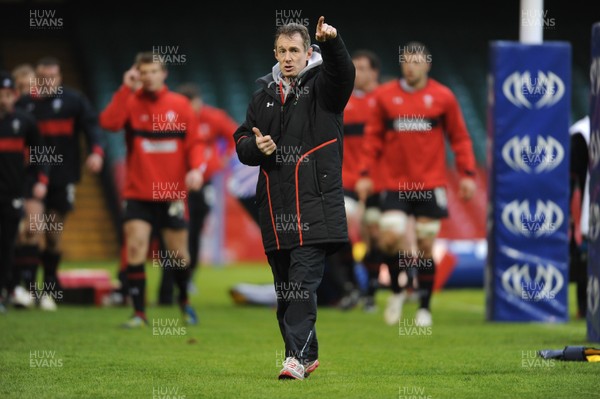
x=235, y=352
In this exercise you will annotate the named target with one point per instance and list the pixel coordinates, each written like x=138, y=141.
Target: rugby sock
x=167, y=282
x=393, y=263
x=27, y=258
x=347, y=260
x=372, y=261
x=122, y=275
x=50, y=261
x=425, y=276
x=181, y=276
x=124, y=288
x=136, y=279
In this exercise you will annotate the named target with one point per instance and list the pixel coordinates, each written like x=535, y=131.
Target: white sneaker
x=292, y=369
x=423, y=318
x=393, y=311
x=21, y=297
x=47, y=303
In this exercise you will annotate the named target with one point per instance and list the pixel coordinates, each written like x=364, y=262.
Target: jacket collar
x=153, y=96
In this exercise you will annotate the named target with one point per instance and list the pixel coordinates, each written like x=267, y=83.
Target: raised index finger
x=320, y=23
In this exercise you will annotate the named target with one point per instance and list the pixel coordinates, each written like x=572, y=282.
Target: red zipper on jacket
x=281, y=93
x=296, y=179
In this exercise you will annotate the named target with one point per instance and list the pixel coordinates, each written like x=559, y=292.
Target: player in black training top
x=62, y=115
x=18, y=134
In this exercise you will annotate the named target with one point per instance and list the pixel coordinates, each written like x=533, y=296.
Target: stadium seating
x=226, y=67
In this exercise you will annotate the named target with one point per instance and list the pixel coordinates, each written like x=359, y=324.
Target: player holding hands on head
x=164, y=160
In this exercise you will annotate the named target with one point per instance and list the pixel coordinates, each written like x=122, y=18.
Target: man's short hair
x=190, y=90
x=22, y=70
x=148, y=57
x=48, y=61
x=415, y=47
x=374, y=61
x=290, y=30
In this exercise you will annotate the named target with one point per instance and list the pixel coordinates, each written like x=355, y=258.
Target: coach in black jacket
x=293, y=131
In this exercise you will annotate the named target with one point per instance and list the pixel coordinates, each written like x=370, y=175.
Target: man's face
x=196, y=104
x=152, y=76
x=48, y=78
x=24, y=82
x=290, y=53
x=415, y=68
x=365, y=75
x=7, y=100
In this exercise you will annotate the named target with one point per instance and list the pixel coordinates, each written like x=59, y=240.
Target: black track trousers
x=297, y=274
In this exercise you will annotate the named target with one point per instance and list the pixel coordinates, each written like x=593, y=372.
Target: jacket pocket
x=261, y=190
x=316, y=178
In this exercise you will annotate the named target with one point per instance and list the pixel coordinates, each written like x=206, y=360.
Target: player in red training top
x=216, y=130
x=407, y=129
x=360, y=223
x=165, y=158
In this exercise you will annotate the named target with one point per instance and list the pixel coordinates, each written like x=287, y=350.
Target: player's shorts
x=60, y=198
x=161, y=215
x=373, y=201
x=427, y=203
